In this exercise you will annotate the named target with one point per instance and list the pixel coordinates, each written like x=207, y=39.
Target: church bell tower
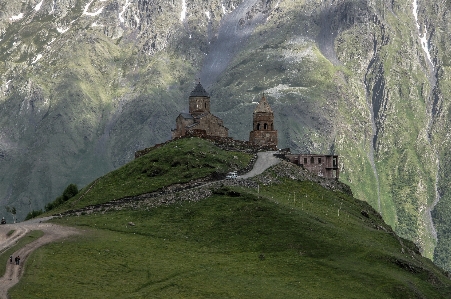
x=199, y=101
x=263, y=133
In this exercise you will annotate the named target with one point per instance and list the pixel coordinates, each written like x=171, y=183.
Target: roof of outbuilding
x=199, y=91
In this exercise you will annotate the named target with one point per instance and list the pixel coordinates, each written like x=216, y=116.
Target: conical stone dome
x=263, y=106
x=199, y=91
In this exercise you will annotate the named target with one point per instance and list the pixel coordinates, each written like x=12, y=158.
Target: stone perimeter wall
x=225, y=143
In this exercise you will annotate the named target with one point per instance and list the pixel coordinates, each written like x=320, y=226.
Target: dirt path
x=264, y=161
x=52, y=232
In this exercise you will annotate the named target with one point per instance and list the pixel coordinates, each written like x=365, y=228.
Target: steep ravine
x=234, y=30
x=401, y=157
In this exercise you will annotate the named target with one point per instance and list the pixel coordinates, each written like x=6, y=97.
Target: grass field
x=28, y=238
x=293, y=240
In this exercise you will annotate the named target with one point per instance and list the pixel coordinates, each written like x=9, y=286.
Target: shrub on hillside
x=33, y=214
x=68, y=193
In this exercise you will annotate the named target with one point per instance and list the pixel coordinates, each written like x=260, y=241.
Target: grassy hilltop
x=292, y=239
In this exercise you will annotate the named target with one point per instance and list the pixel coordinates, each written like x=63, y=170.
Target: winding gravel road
x=52, y=232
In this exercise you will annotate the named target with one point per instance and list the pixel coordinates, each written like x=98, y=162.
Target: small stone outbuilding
x=199, y=118
x=322, y=165
x=263, y=133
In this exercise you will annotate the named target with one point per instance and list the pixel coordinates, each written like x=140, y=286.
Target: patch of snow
x=208, y=14
x=425, y=45
x=136, y=19
x=96, y=25
x=183, y=13
x=16, y=18
x=91, y=14
x=415, y=12
x=36, y=59
x=5, y=87
x=50, y=42
x=423, y=39
x=62, y=30
x=38, y=6
x=224, y=11
x=53, y=7
x=127, y=3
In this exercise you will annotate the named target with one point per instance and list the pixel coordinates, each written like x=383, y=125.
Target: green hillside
x=176, y=162
x=292, y=238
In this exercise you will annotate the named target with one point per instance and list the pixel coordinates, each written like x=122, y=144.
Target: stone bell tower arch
x=263, y=133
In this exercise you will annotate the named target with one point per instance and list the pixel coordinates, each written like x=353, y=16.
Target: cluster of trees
x=13, y=212
x=68, y=193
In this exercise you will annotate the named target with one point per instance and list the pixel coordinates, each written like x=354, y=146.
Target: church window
x=266, y=126
x=312, y=160
x=305, y=160
x=319, y=160
x=258, y=127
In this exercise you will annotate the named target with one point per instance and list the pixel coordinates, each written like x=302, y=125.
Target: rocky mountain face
x=86, y=83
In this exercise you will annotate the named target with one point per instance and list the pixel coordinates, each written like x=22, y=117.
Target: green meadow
x=288, y=239
x=292, y=240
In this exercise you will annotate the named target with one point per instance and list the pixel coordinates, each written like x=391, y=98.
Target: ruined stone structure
x=199, y=119
x=263, y=132
x=323, y=165
x=199, y=122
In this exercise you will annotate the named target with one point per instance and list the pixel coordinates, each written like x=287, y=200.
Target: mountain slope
x=84, y=84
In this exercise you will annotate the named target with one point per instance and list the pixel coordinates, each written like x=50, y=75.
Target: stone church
x=263, y=133
x=199, y=120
